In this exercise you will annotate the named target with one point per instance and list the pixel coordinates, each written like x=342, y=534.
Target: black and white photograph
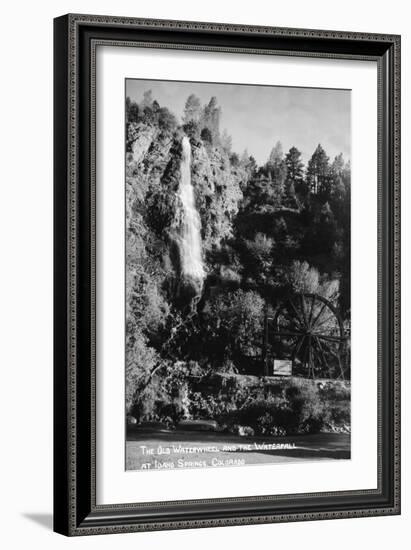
x=237, y=274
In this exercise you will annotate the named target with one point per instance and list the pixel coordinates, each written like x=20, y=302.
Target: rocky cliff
x=152, y=180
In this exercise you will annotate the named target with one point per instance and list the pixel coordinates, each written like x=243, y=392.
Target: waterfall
x=189, y=222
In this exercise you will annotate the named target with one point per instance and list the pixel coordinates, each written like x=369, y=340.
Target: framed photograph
x=227, y=280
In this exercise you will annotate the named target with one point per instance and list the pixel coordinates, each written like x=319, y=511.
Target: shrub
x=303, y=278
x=168, y=396
x=166, y=120
x=234, y=160
x=140, y=361
x=307, y=406
x=294, y=407
x=192, y=130
x=179, y=391
x=206, y=136
x=233, y=321
x=267, y=425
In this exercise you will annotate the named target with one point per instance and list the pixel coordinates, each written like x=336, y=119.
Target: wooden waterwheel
x=309, y=330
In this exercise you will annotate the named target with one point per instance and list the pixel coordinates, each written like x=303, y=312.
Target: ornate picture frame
x=76, y=40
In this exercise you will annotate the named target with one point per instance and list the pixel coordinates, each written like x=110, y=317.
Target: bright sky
x=258, y=116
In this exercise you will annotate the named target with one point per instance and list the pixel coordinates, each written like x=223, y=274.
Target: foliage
x=206, y=136
x=165, y=397
x=226, y=142
x=295, y=166
x=232, y=321
x=294, y=406
x=235, y=160
x=303, y=278
x=140, y=361
x=318, y=171
x=276, y=168
x=192, y=109
x=150, y=112
x=192, y=130
x=287, y=407
x=294, y=180
x=210, y=119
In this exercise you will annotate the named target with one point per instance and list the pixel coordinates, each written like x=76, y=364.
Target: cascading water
x=189, y=238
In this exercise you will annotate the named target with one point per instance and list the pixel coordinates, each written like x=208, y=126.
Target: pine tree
x=192, y=109
x=294, y=181
x=226, y=142
x=295, y=166
x=276, y=154
x=276, y=170
x=337, y=165
x=210, y=119
x=338, y=190
x=251, y=166
x=147, y=99
x=318, y=171
x=244, y=157
x=132, y=110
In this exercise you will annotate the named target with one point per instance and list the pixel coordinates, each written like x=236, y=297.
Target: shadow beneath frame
x=44, y=520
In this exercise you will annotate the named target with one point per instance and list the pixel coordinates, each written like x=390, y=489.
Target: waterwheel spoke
x=329, y=318
x=315, y=362
x=330, y=349
x=324, y=360
x=312, y=356
x=336, y=339
x=310, y=318
x=314, y=324
x=305, y=353
x=292, y=343
x=303, y=310
x=286, y=333
x=319, y=351
x=337, y=356
x=297, y=314
x=310, y=369
x=297, y=348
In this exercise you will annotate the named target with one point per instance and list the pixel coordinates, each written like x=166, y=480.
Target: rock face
x=153, y=176
x=218, y=192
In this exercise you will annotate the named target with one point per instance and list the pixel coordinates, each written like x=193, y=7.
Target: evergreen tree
x=244, y=157
x=337, y=165
x=251, y=166
x=234, y=159
x=276, y=154
x=147, y=99
x=226, y=142
x=276, y=170
x=192, y=109
x=211, y=119
x=294, y=181
x=346, y=176
x=132, y=110
x=318, y=171
x=295, y=166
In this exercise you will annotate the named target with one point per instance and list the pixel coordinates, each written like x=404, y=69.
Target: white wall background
x=26, y=270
